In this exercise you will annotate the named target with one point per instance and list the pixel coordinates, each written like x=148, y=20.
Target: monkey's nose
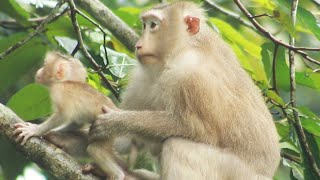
x=138, y=46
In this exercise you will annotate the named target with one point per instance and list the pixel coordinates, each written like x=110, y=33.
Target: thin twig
x=298, y=50
x=76, y=49
x=15, y=22
x=101, y=29
x=119, y=29
x=84, y=50
x=230, y=14
x=316, y=2
x=274, y=64
x=316, y=70
x=51, y=17
x=262, y=15
x=297, y=123
x=291, y=157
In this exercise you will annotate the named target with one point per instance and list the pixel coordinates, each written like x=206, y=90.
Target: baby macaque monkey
x=75, y=105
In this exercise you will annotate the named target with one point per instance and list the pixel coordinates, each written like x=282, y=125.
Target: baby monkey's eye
x=144, y=25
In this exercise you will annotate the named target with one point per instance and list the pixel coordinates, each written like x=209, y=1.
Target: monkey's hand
x=25, y=131
x=105, y=127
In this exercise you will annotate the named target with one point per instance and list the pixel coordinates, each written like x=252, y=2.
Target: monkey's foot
x=93, y=169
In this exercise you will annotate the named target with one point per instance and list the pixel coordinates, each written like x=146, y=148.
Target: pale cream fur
x=191, y=92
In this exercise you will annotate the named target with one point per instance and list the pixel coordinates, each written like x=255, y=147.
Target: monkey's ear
x=60, y=72
x=193, y=24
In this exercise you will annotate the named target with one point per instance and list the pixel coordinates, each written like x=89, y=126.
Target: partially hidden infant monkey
x=75, y=105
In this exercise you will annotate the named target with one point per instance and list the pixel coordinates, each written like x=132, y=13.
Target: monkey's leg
x=102, y=154
x=143, y=174
x=188, y=160
x=74, y=143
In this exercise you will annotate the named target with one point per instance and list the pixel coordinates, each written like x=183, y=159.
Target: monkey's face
x=44, y=75
x=149, y=49
x=53, y=70
x=165, y=33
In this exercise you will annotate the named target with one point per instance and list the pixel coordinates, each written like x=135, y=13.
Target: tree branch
x=52, y=16
x=84, y=50
x=112, y=22
x=298, y=50
x=46, y=155
x=297, y=123
x=230, y=14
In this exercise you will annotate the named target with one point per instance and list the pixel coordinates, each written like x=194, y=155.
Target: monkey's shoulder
x=76, y=89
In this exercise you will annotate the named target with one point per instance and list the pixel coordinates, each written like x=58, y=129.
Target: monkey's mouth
x=145, y=56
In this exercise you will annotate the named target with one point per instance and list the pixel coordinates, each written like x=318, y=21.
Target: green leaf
x=308, y=20
x=130, y=15
x=275, y=97
x=309, y=120
x=31, y=102
x=282, y=128
x=309, y=79
x=119, y=63
x=14, y=10
x=21, y=61
x=61, y=27
x=297, y=170
x=95, y=82
x=282, y=70
x=247, y=52
x=289, y=145
x=267, y=56
x=313, y=143
x=234, y=36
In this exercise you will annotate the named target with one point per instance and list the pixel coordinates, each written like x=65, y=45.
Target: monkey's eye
x=144, y=25
x=153, y=25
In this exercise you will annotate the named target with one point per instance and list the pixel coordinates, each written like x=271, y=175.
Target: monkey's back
x=79, y=100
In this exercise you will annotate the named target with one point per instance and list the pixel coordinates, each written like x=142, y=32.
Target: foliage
x=267, y=64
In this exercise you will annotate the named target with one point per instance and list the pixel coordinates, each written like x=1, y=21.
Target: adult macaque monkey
x=190, y=92
x=75, y=105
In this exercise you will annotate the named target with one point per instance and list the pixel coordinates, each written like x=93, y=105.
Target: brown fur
x=192, y=87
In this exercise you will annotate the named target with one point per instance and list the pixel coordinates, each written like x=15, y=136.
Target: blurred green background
x=255, y=52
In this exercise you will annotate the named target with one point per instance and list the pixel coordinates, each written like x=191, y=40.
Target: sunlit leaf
x=247, y=52
x=94, y=81
x=275, y=97
x=119, y=63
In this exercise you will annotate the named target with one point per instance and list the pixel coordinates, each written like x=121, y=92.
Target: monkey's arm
x=156, y=124
x=27, y=130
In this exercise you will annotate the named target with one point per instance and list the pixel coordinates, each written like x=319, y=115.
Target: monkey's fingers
x=25, y=138
x=18, y=125
x=17, y=131
x=19, y=137
x=106, y=109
